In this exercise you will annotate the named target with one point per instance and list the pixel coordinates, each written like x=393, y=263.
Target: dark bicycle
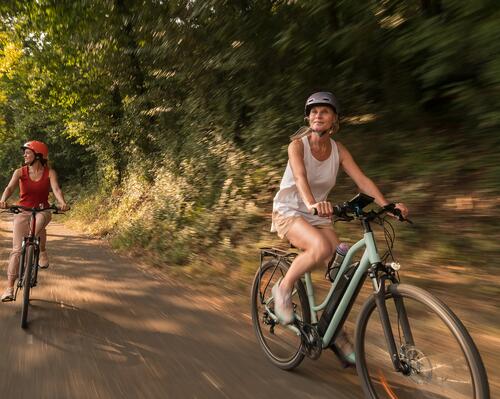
x=409, y=344
x=28, y=261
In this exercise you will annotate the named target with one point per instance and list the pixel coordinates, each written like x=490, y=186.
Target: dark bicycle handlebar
x=353, y=209
x=19, y=208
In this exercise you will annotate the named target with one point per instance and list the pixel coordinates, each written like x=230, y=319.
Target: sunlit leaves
x=197, y=99
x=10, y=53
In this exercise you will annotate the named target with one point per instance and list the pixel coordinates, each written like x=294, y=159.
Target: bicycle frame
x=370, y=264
x=369, y=258
x=28, y=240
x=367, y=265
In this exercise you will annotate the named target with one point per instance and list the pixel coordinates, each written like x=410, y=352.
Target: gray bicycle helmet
x=321, y=98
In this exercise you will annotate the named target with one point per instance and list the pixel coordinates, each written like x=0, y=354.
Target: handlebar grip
x=337, y=211
x=396, y=212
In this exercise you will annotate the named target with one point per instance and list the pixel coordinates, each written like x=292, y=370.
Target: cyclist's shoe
x=344, y=350
x=43, y=260
x=283, y=307
x=8, y=295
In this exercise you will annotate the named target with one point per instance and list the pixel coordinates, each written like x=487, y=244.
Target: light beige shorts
x=283, y=224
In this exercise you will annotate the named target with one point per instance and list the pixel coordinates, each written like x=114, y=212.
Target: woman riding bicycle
x=301, y=213
x=34, y=179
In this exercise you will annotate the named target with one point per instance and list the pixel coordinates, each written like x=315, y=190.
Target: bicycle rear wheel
x=281, y=345
x=28, y=269
x=442, y=358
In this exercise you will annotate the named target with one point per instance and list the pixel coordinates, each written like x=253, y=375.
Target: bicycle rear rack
x=276, y=253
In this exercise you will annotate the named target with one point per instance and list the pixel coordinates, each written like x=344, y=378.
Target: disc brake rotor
x=420, y=365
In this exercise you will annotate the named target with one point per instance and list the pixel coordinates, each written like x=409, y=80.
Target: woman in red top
x=35, y=179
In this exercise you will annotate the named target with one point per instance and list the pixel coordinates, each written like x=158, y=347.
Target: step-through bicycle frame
x=369, y=265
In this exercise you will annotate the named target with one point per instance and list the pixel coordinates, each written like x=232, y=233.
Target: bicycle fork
x=380, y=297
x=22, y=263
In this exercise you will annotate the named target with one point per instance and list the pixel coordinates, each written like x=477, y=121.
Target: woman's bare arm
x=54, y=184
x=11, y=187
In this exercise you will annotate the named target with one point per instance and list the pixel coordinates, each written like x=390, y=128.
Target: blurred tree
x=208, y=92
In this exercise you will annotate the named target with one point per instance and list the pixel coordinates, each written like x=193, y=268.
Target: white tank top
x=321, y=176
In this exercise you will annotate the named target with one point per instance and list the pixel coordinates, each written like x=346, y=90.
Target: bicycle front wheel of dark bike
x=28, y=269
x=281, y=345
x=441, y=358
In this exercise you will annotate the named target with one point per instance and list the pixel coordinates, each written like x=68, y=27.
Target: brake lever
x=392, y=210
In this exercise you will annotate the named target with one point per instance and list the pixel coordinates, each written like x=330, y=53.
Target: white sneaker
x=8, y=295
x=283, y=307
x=43, y=260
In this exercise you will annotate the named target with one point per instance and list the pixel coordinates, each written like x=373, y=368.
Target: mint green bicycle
x=408, y=343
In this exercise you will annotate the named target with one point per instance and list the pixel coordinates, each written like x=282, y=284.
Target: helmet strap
x=321, y=134
x=37, y=158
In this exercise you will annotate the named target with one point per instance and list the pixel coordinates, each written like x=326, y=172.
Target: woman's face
x=321, y=118
x=29, y=156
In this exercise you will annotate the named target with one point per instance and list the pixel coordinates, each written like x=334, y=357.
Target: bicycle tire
x=273, y=347
x=433, y=373
x=28, y=268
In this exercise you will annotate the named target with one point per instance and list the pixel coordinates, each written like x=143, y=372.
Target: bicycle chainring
x=312, y=344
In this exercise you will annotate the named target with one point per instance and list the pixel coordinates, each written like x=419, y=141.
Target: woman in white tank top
x=314, y=159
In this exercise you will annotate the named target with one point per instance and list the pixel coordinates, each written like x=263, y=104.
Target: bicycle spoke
x=282, y=344
x=268, y=282
x=438, y=367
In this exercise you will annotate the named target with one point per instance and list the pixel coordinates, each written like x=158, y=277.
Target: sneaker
x=283, y=307
x=8, y=295
x=43, y=260
x=344, y=350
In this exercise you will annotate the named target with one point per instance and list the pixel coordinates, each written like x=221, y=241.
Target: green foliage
x=175, y=116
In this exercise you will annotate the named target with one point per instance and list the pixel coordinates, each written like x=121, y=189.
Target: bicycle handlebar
x=349, y=210
x=18, y=208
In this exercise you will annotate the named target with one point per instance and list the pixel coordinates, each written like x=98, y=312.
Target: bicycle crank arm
x=275, y=319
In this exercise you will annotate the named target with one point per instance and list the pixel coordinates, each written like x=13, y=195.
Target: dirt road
x=101, y=326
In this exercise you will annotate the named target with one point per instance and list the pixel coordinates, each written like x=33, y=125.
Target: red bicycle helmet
x=38, y=148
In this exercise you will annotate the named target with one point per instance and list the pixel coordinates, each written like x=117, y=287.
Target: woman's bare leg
x=318, y=246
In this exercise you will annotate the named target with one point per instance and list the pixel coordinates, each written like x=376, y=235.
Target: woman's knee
x=42, y=220
x=322, y=250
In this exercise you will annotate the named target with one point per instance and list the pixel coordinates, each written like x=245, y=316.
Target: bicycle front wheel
x=281, y=345
x=443, y=361
x=28, y=269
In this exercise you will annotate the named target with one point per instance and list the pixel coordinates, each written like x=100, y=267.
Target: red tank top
x=33, y=193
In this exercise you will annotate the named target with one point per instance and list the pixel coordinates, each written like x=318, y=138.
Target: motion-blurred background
x=168, y=123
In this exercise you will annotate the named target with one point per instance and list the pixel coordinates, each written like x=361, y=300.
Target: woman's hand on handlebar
x=3, y=204
x=403, y=209
x=322, y=208
x=397, y=210
x=64, y=207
